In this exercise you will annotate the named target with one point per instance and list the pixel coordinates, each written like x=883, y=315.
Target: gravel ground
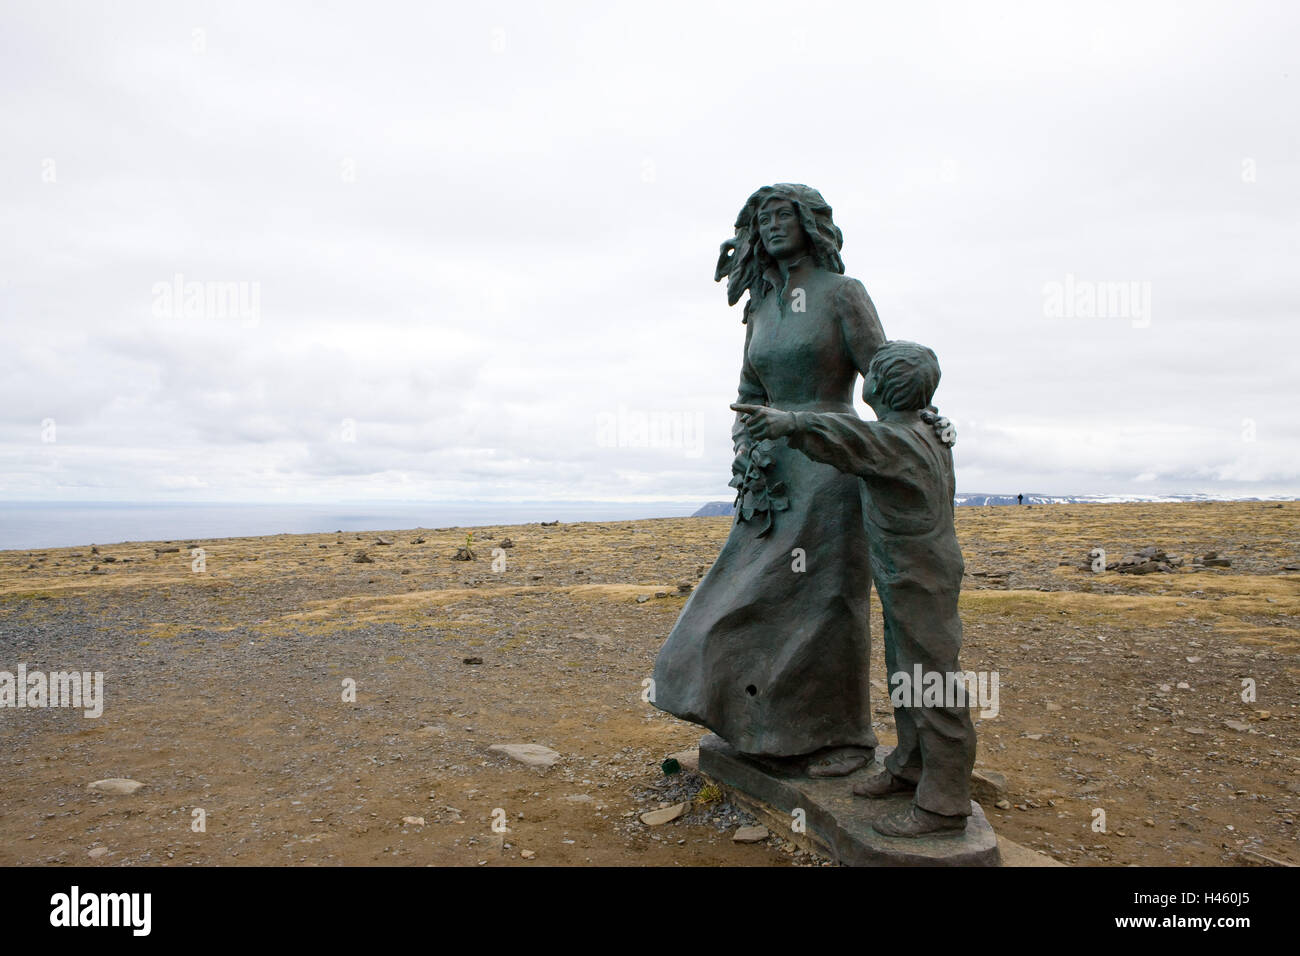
x=226, y=693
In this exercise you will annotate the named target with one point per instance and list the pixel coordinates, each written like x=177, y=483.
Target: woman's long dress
x=772, y=649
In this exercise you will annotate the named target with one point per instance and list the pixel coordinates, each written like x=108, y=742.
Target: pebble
x=654, y=818
x=750, y=835
x=97, y=852
x=532, y=755
x=414, y=821
x=117, y=785
x=527, y=854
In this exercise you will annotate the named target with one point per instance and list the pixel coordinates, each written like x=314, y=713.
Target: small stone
x=362, y=558
x=472, y=660
x=1263, y=714
x=1003, y=804
x=1033, y=736
x=642, y=598
x=97, y=852
x=117, y=785
x=1197, y=731
x=1238, y=725
x=1053, y=707
x=528, y=854
x=1183, y=685
x=414, y=821
x=987, y=784
x=661, y=594
x=1193, y=660
x=532, y=755
x=750, y=835
x=654, y=818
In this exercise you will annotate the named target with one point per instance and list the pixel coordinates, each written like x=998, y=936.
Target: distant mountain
x=977, y=499
x=716, y=509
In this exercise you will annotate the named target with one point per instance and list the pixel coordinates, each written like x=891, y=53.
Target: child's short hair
x=906, y=375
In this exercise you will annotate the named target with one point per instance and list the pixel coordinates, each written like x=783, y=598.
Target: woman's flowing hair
x=744, y=260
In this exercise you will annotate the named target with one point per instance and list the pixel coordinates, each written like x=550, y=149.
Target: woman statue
x=772, y=649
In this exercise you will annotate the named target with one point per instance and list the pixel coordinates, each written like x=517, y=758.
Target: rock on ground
x=533, y=755
x=654, y=818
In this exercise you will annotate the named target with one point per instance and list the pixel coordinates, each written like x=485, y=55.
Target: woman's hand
x=763, y=422
x=944, y=430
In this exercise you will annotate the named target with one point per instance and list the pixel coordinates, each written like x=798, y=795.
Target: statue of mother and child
x=771, y=652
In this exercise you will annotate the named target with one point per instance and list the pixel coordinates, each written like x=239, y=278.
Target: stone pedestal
x=840, y=823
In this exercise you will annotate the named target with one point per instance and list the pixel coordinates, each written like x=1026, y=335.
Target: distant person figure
x=916, y=563
x=1020, y=499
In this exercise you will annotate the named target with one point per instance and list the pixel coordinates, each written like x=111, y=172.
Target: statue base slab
x=838, y=823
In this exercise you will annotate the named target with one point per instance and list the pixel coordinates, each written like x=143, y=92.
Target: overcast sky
x=477, y=240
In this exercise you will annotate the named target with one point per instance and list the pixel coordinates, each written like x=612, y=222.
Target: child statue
x=907, y=481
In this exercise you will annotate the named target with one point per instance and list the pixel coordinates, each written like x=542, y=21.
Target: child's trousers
x=936, y=744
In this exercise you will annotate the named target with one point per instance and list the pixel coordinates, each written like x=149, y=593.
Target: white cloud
x=476, y=231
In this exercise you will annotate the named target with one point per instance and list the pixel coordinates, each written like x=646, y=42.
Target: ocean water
x=59, y=524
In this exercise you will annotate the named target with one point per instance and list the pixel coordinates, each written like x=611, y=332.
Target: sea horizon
x=61, y=524
x=64, y=524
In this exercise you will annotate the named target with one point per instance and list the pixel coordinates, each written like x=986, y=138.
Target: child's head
x=902, y=376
